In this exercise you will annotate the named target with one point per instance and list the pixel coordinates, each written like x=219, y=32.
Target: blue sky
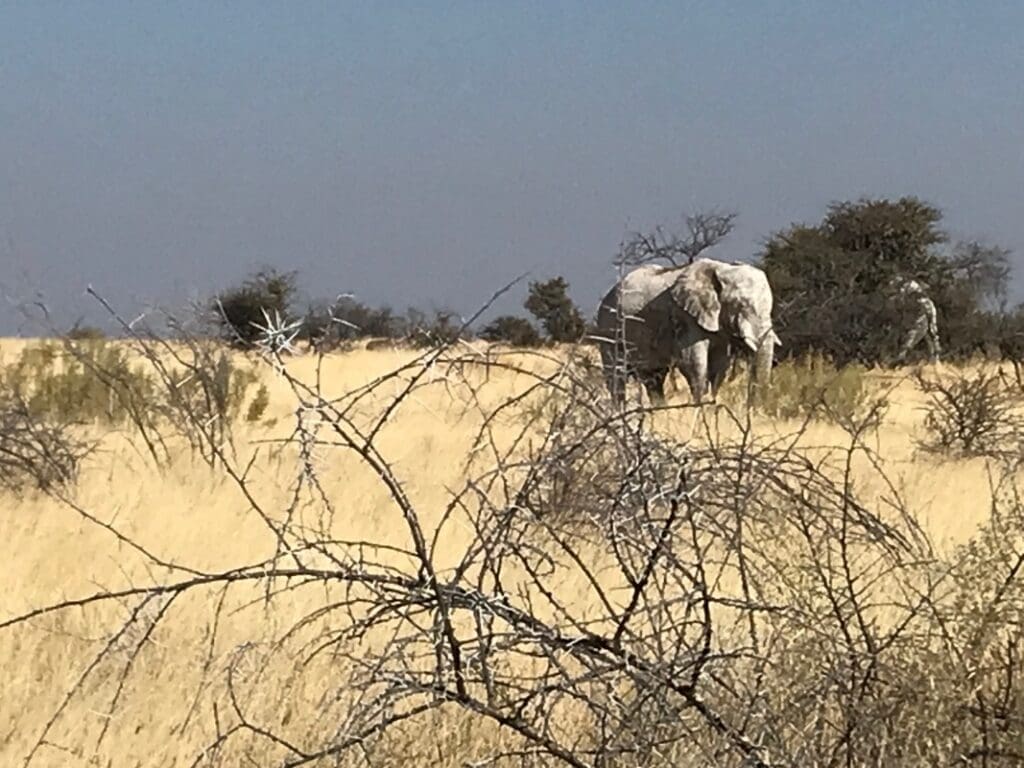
x=426, y=153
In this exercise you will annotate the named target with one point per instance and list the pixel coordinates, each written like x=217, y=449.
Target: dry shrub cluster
x=190, y=390
x=87, y=380
x=33, y=452
x=973, y=413
x=625, y=598
x=812, y=387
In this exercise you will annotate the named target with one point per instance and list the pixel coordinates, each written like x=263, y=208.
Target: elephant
x=696, y=318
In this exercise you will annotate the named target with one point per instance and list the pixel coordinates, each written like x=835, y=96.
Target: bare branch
x=704, y=230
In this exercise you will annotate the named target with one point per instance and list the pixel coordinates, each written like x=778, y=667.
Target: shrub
x=549, y=302
x=318, y=326
x=972, y=414
x=813, y=386
x=36, y=453
x=1010, y=338
x=211, y=386
x=258, y=405
x=79, y=332
x=196, y=396
x=358, y=320
x=328, y=326
x=240, y=311
x=436, y=330
x=833, y=290
x=83, y=382
x=512, y=330
x=576, y=475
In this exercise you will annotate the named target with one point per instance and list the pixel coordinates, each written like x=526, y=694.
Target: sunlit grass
x=198, y=518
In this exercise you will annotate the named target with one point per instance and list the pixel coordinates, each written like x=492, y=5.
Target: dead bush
x=971, y=413
x=733, y=601
x=45, y=455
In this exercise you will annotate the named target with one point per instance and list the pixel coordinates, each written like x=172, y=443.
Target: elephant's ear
x=696, y=291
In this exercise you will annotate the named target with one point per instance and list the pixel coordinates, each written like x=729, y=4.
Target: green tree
x=240, y=310
x=982, y=272
x=347, y=319
x=443, y=326
x=833, y=281
x=549, y=302
x=513, y=330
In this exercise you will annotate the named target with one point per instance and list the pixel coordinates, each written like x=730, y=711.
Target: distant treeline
x=241, y=313
x=832, y=283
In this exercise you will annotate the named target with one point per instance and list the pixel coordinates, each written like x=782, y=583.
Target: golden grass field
x=173, y=701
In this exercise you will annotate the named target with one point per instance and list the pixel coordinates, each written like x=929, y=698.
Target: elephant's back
x=641, y=304
x=638, y=289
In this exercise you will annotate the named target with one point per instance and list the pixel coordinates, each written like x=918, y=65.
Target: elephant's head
x=733, y=299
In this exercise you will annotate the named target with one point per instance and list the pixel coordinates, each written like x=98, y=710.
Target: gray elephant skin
x=696, y=318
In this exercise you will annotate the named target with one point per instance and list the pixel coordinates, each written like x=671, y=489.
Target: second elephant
x=696, y=318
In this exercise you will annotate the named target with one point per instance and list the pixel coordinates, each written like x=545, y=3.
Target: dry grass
x=174, y=702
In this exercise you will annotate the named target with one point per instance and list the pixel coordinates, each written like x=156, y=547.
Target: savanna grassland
x=111, y=683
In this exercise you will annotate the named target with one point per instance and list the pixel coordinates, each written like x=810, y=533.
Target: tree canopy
x=241, y=311
x=549, y=302
x=833, y=282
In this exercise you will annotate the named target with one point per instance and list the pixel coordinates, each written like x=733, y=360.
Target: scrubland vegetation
x=463, y=556
x=349, y=536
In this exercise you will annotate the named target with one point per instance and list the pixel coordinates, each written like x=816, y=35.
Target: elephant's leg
x=719, y=358
x=693, y=362
x=654, y=382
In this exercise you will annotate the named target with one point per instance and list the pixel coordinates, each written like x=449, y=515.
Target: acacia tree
x=703, y=230
x=832, y=280
x=242, y=310
x=513, y=330
x=983, y=272
x=549, y=302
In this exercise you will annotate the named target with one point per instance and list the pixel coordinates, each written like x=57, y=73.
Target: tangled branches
x=704, y=230
x=34, y=452
x=597, y=590
x=973, y=414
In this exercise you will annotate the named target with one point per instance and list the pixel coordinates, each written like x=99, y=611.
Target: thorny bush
x=972, y=413
x=722, y=600
x=192, y=389
x=36, y=453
